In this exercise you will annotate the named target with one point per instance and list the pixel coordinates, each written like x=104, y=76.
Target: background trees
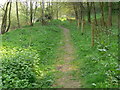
x=29, y=13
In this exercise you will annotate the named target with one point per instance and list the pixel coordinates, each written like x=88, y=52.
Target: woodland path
x=66, y=55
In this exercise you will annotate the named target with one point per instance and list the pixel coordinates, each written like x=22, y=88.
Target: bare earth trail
x=65, y=67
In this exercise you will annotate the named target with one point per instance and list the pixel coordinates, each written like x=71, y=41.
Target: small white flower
x=93, y=84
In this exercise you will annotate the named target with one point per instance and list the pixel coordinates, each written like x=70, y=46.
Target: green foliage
x=28, y=56
x=98, y=65
x=17, y=67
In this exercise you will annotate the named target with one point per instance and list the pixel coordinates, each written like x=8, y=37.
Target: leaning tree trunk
x=31, y=13
x=17, y=14
x=9, y=17
x=4, y=20
x=110, y=14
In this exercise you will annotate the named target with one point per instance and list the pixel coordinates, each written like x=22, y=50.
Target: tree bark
x=31, y=13
x=95, y=18
x=9, y=17
x=102, y=13
x=82, y=17
x=26, y=3
x=118, y=30
x=17, y=14
x=57, y=12
x=110, y=14
x=93, y=31
x=119, y=16
x=75, y=10
x=89, y=12
x=4, y=20
x=35, y=10
x=79, y=14
x=43, y=16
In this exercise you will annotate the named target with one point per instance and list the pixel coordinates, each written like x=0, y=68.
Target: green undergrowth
x=98, y=65
x=28, y=56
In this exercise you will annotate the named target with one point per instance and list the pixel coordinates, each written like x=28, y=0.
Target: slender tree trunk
x=94, y=9
x=9, y=17
x=102, y=13
x=31, y=13
x=82, y=18
x=81, y=11
x=17, y=14
x=110, y=14
x=75, y=10
x=4, y=20
x=57, y=13
x=26, y=3
x=78, y=14
x=35, y=10
x=89, y=12
x=119, y=28
x=43, y=16
x=93, y=32
x=119, y=17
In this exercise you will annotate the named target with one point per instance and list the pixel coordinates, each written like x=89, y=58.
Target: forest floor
x=65, y=67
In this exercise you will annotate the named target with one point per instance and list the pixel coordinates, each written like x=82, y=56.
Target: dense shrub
x=18, y=67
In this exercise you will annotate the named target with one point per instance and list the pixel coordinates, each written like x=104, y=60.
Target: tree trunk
x=110, y=14
x=102, y=13
x=95, y=18
x=93, y=31
x=119, y=17
x=119, y=28
x=43, y=16
x=75, y=10
x=57, y=12
x=82, y=17
x=89, y=12
x=26, y=3
x=31, y=13
x=35, y=10
x=4, y=20
x=17, y=14
x=9, y=17
x=78, y=15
